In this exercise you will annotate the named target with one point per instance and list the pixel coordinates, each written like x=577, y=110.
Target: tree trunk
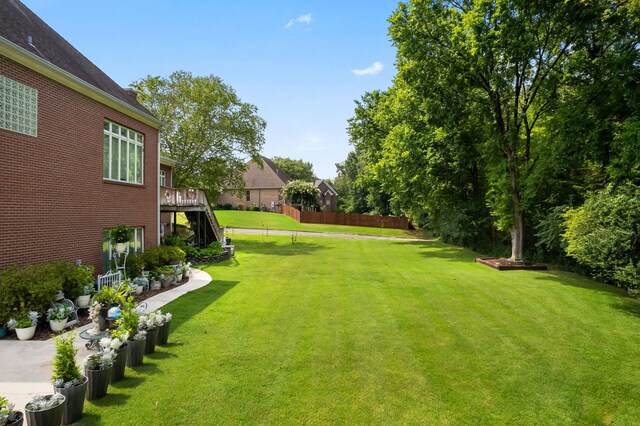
x=517, y=229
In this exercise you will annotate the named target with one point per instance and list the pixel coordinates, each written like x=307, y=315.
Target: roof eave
x=168, y=161
x=41, y=66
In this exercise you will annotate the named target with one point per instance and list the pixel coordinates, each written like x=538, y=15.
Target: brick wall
x=54, y=203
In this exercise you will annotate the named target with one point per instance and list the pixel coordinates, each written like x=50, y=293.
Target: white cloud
x=374, y=69
x=302, y=19
x=312, y=142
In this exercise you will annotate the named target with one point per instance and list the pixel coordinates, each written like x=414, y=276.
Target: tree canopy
x=299, y=192
x=205, y=127
x=296, y=169
x=501, y=112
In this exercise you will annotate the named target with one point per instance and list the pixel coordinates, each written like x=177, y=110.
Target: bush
x=227, y=206
x=240, y=206
x=28, y=289
x=255, y=208
x=212, y=249
x=604, y=235
x=162, y=255
x=74, y=278
x=133, y=267
x=173, y=241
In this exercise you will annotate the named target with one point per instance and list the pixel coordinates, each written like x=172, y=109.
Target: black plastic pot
x=74, y=402
x=163, y=333
x=152, y=338
x=117, y=373
x=136, y=352
x=50, y=417
x=18, y=421
x=98, y=383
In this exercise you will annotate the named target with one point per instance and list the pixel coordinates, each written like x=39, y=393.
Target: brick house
x=263, y=188
x=78, y=153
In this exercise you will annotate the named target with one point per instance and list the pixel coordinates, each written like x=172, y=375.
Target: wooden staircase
x=195, y=205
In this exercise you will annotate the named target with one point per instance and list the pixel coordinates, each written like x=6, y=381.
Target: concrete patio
x=25, y=366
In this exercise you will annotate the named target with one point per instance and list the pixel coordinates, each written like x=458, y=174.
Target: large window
x=122, y=154
x=18, y=107
x=136, y=245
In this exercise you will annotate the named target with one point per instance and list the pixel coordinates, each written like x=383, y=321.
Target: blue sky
x=294, y=60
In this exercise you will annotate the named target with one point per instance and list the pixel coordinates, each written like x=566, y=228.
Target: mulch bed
x=43, y=332
x=504, y=264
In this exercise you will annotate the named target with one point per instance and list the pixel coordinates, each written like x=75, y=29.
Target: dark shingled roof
x=281, y=174
x=17, y=22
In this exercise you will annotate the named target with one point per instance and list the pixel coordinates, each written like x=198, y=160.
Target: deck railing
x=182, y=197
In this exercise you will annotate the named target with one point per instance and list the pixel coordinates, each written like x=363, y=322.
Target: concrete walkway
x=25, y=366
x=266, y=232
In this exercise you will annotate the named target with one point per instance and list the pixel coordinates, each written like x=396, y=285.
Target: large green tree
x=296, y=169
x=507, y=60
x=205, y=127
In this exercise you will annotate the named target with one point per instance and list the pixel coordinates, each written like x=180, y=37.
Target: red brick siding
x=54, y=203
x=168, y=176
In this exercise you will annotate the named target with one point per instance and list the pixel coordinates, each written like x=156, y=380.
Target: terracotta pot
x=163, y=333
x=98, y=383
x=26, y=333
x=136, y=352
x=152, y=338
x=52, y=416
x=117, y=373
x=75, y=401
x=57, y=325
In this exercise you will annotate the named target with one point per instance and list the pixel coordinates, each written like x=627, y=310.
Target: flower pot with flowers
x=58, y=317
x=97, y=368
x=108, y=297
x=45, y=410
x=149, y=324
x=67, y=378
x=120, y=236
x=128, y=323
x=85, y=298
x=8, y=415
x=164, y=323
x=117, y=342
x=24, y=326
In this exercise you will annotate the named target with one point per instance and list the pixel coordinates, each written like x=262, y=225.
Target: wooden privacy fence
x=333, y=218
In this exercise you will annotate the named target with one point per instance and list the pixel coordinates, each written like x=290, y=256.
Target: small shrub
x=162, y=255
x=66, y=372
x=74, y=278
x=255, y=208
x=212, y=249
x=173, y=241
x=227, y=206
x=240, y=207
x=134, y=265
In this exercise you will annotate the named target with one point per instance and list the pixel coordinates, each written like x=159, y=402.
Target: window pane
x=107, y=125
x=114, y=158
x=132, y=162
x=105, y=157
x=138, y=164
x=115, y=128
x=123, y=160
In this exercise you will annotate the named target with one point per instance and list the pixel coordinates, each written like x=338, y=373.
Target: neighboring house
x=328, y=198
x=263, y=188
x=78, y=153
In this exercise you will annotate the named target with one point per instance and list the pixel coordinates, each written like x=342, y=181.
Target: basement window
x=18, y=107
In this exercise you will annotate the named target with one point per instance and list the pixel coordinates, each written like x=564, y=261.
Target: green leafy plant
x=108, y=296
x=41, y=403
x=66, y=372
x=59, y=313
x=100, y=361
x=301, y=192
x=120, y=234
x=25, y=321
x=134, y=265
x=74, y=278
x=162, y=255
x=128, y=321
x=7, y=412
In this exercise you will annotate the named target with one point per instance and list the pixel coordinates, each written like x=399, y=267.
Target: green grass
x=375, y=332
x=263, y=220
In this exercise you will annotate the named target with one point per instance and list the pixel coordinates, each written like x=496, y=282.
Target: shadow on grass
x=273, y=248
x=439, y=250
x=127, y=382
x=161, y=355
x=90, y=419
x=110, y=400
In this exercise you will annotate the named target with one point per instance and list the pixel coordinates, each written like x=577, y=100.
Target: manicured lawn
x=374, y=332
x=264, y=220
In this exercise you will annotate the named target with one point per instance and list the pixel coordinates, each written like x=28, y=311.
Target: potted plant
x=128, y=322
x=149, y=324
x=120, y=236
x=179, y=272
x=167, y=276
x=85, y=298
x=58, y=317
x=25, y=326
x=154, y=280
x=9, y=416
x=164, y=321
x=118, y=344
x=67, y=378
x=187, y=269
x=97, y=368
x=45, y=410
x=106, y=298
x=141, y=282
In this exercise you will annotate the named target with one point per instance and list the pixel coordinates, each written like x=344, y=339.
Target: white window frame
x=132, y=138
x=18, y=107
x=163, y=178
